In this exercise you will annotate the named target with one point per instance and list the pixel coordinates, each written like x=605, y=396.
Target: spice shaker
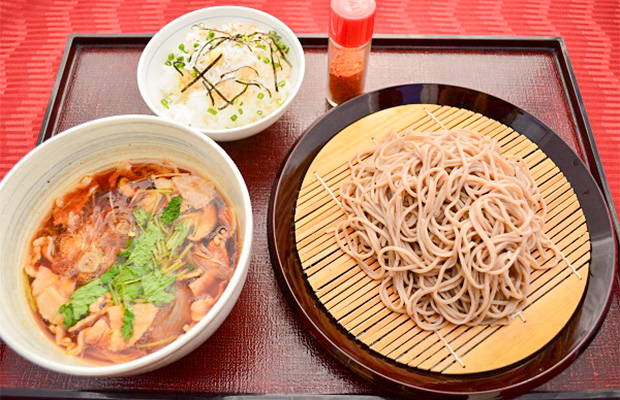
x=351, y=24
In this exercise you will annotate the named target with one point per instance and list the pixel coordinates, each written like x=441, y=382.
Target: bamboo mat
x=352, y=298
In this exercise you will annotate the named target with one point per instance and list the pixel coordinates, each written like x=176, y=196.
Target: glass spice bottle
x=351, y=23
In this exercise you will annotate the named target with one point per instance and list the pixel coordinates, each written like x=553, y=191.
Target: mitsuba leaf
x=127, y=329
x=111, y=273
x=81, y=299
x=141, y=215
x=172, y=211
x=155, y=286
x=143, y=246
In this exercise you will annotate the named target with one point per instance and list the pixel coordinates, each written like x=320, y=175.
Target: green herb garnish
x=81, y=299
x=233, y=117
x=127, y=329
x=141, y=215
x=155, y=285
x=260, y=95
x=172, y=211
x=212, y=111
x=143, y=245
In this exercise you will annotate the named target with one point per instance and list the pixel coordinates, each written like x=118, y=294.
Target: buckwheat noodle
x=448, y=224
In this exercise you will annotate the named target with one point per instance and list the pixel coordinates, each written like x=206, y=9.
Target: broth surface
x=130, y=259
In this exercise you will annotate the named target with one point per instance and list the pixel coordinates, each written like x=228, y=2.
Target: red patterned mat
x=33, y=35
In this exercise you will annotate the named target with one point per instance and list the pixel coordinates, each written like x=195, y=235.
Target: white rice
x=195, y=106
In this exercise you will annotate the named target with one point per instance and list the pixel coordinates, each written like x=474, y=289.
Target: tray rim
x=552, y=44
x=18, y=393
x=370, y=372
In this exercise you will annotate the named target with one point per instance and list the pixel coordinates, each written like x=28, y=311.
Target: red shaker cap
x=351, y=21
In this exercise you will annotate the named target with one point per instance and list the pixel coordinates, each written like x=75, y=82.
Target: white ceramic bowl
x=26, y=196
x=167, y=39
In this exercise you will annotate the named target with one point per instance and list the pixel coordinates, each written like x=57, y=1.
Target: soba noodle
x=448, y=224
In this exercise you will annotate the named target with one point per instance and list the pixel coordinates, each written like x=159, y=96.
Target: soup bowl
x=26, y=196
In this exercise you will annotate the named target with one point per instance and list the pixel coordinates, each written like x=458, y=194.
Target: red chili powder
x=345, y=76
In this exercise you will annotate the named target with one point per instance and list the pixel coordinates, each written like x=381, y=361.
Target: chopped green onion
x=287, y=49
x=258, y=57
x=240, y=111
x=261, y=95
x=241, y=103
x=266, y=60
x=259, y=112
x=168, y=63
x=282, y=83
x=262, y=46
x=212, y=111
x=233, y=117
x=277, y=65
x=280, y=101
x=182, y=48
x=171, y=56
x=164, y=103
x=211, y=35
x=196, y=44
x=180, y=58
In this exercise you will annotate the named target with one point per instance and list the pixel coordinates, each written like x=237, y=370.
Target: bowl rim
x=237, y=279
x=216, y=134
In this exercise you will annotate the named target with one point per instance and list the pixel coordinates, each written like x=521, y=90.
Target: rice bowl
x=176, y=82
x=226, y=76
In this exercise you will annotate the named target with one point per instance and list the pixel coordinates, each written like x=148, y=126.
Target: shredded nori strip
x=237, y=96
x=174, y=64
x=235, y=70
x=280, y=51
x=243, y=40
x=212, y=87
x=209, y=93
x=273, y=65
x=222, y=40
x=237, y=38
x=202, y=74
x=253, y=83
